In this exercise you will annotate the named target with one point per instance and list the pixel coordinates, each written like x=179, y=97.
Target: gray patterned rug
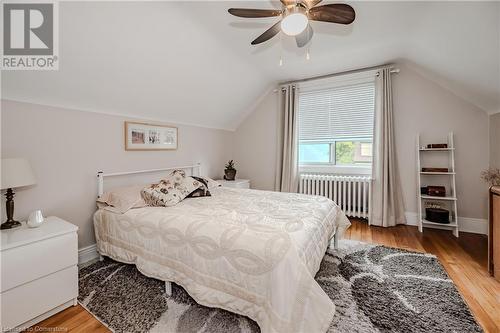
x=374, y=288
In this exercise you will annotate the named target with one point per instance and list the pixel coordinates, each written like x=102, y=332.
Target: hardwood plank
x=402, y=238
x=378, y=236
x=464, y=259
x=61, y=317
x=356, y=231
x=366, y=235
x=73, y=319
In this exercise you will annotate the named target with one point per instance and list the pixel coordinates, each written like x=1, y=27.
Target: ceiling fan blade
x=335, y=13
x=253, y=13
x=311, y=3
x=268, y=34
x=304, y=37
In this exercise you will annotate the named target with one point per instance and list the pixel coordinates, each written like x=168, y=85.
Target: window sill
x=336, y=169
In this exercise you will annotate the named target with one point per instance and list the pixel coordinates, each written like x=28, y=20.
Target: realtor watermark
x=30, y=35
x=35, y=328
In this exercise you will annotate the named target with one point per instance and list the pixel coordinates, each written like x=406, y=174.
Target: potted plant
x=229, y=171
x=491, y=176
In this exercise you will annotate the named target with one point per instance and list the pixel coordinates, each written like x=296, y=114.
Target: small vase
x=35, y=219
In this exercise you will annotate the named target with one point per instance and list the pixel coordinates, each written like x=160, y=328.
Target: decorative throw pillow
x=170, y=191
x=211, y=183
x=201, y=191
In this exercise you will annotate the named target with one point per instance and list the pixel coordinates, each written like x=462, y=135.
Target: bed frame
x=195, y=171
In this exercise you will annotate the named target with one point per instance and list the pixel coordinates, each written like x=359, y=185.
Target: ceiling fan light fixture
x=295, y=21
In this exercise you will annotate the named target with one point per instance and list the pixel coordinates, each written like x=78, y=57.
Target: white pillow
x=122, y=199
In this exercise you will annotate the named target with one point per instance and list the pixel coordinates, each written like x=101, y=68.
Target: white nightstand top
x=236, y=181
x=51, y=227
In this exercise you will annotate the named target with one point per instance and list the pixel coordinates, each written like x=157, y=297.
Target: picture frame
x=146, y=136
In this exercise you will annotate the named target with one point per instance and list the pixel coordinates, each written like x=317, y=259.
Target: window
x=351, y=153
x=314, y=152
x=336, y=125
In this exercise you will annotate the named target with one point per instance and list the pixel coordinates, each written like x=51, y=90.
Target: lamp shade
x=16, y=172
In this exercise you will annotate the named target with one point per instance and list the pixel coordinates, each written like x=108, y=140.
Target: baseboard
x=465, y=224
x=88, y=253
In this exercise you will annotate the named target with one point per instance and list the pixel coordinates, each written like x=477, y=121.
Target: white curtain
x=287, y=165
x=387, y=207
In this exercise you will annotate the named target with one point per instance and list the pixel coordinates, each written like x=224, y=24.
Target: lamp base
x=10, y=225
x=9, y=208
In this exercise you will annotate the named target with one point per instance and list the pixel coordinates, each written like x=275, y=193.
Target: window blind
x=343, y=112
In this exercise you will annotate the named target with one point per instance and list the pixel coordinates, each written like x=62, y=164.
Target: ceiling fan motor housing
x=298, y=8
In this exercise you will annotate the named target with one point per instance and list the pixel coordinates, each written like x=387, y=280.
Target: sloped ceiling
x=191, y=62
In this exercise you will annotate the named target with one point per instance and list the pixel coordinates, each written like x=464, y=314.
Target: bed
x=251, y=252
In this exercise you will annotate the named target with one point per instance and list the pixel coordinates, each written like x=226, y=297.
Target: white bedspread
x=250, y=252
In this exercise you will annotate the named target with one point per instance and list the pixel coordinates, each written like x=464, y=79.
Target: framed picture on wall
x=143, y=136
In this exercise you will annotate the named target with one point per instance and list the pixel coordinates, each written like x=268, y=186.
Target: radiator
x=351, y=193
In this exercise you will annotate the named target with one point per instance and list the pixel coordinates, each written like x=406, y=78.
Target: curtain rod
x=393, y=70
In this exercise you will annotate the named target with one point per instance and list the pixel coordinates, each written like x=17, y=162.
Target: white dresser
x=39, y=272
x=237, y=183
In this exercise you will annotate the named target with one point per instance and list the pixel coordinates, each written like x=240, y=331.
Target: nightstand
x=39, y=272
x=237, y=183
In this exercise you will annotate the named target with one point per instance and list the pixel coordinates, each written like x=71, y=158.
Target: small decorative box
x=438, y=191
x=435, y=170
x=438, y=215
x=437, y=145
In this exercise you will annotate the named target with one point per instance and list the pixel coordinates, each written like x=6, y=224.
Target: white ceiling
x=191, y=62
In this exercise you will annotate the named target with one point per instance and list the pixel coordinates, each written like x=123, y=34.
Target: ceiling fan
x=295, y=17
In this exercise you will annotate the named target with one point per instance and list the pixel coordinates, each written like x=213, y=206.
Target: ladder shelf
x=427, y=178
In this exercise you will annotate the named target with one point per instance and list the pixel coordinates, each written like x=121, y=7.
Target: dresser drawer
x=32, y=299
x=29, y=262
x=495, y=235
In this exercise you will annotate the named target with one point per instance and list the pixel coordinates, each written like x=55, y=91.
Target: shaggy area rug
x=374, y=288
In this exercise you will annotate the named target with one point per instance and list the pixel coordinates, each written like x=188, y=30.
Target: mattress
x=251, y=252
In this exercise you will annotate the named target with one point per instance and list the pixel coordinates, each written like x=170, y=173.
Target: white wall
x=255, y=144
x=495, y=140
x=66, y=149
x=420, y=105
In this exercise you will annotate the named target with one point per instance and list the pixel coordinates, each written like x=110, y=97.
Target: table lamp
x=16, y=172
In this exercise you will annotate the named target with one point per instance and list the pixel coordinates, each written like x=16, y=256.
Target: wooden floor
x=465, y=261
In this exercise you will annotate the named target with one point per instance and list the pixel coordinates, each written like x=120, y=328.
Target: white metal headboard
x=101, y=175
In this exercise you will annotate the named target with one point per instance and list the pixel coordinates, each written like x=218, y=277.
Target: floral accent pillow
x=170, y=191
x=202, y=191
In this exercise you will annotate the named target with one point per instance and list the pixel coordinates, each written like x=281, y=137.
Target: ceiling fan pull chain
x=281, y=50
x=308, y=56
